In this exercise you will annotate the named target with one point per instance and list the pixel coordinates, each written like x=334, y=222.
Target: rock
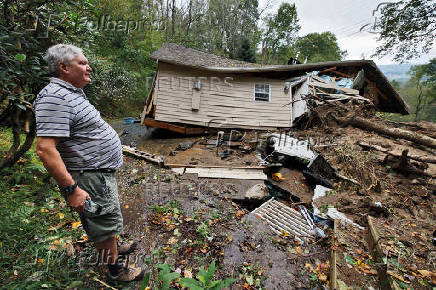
x=257, y=192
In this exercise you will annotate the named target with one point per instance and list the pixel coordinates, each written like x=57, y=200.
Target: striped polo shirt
x=87, y=141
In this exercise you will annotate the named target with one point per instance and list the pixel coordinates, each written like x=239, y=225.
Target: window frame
x=269, y=92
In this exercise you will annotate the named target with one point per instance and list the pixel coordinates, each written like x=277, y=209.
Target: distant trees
x=407, y=28
x=423, y=77
x=317, y=47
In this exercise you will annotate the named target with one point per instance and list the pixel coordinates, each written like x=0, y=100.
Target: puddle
x=153, y=140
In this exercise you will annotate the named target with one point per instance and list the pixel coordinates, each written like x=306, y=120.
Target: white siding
x=230, y=104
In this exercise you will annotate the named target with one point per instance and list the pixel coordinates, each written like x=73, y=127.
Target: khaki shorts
x=102, y=187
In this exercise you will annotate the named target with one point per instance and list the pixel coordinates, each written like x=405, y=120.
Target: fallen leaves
x=397, y=276
x=172, y=241
x=187, y=274
x=240, y=214
x=75, y=225
x=319, y=272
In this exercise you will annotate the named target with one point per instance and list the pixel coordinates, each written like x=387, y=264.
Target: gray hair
x=60, y=53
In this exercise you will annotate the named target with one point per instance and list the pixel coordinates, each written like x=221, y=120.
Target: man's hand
x=77, y=199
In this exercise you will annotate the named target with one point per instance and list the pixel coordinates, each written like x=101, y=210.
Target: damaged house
x=194, y=89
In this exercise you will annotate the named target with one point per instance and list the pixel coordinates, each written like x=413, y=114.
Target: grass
x=38, y=231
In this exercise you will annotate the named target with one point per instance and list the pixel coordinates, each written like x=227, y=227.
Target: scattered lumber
x=365, y=124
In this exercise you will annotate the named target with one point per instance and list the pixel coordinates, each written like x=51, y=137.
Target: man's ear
x=63, y=68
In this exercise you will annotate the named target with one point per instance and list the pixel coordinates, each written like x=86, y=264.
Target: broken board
x=228, y=173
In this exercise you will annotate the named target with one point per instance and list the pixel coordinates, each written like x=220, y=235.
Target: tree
x=227, y=22
x=280, y=33
x=407, y=28
x=245, y=52
x=27, y=29
x=317, y=47
x=423, y=77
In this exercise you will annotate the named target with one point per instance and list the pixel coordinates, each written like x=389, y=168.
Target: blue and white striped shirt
x=87, y=141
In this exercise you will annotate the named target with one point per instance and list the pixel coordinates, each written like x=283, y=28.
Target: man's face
x=76, y=73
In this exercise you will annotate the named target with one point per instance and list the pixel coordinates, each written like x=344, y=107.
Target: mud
x=243, y=245
x=186, y=221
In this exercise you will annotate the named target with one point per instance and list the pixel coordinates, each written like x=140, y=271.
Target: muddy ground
x=187, y=222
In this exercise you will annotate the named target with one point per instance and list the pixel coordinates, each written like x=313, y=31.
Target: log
x=381, y=149
x=365, y=124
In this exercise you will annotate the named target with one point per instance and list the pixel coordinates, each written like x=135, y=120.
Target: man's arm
x=46, y=150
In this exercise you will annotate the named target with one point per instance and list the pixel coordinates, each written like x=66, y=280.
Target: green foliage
x=245, y=52
x=166, y=276
x=26, y=31
x=31, y=245
x=406, y=28
x=318, y=47
x=204, y=280
x=423, y=78
x=280, y=33
x=203, y=229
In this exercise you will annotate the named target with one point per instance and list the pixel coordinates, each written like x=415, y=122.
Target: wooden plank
x=175, y=128
x=178, y=170
x=343, y=74
x=332, y=86
x=176, y=165
x=333, y=269
x=228, y=173
x=327, y=70
x=142, y=155
x=373, y=238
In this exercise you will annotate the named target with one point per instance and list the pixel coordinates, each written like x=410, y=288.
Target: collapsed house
x=193, y=90
x=328, y=172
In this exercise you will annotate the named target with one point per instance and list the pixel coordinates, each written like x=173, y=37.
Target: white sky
x=344, y=18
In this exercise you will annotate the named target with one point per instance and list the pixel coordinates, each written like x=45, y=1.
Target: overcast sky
x=344, y=18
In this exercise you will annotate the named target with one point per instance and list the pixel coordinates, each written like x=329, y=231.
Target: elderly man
x=81, y=152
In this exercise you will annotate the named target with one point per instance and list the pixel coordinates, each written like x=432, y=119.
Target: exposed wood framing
x=149, y=122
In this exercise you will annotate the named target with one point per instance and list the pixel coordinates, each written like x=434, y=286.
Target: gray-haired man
x=81, y=152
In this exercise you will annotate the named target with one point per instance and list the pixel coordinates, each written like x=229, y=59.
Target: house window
x=262, y=92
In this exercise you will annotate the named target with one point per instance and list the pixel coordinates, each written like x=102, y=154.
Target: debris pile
x=343, y=178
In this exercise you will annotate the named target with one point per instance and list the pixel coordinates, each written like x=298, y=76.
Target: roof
x=179, y=55
x=176, y=54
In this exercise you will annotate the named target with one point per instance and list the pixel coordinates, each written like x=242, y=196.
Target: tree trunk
x=365, y=124
x=173, y=19
x=16, y=151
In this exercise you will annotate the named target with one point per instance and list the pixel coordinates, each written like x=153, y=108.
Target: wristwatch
x=69, y=189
